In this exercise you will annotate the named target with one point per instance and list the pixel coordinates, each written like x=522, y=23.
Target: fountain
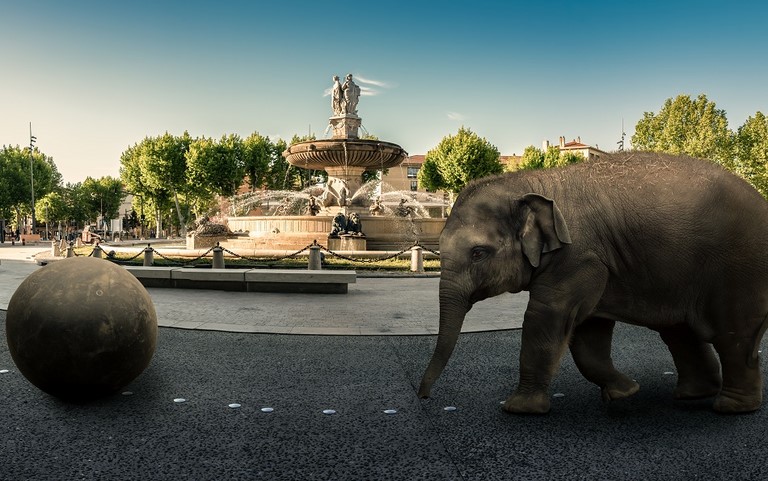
x=345, y=214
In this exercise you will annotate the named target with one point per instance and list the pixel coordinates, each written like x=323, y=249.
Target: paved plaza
x=143, y=433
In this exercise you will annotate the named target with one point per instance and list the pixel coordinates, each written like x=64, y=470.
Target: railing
x=315, y=258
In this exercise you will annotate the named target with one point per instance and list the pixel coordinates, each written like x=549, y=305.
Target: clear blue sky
x=96, y=77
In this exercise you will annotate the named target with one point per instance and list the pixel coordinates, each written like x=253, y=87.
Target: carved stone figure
x=312, y=207
x=336, y=96
x=403, y=210
x=336, y=192
x=351, y=96
x=354, y=225
x=376, y=208
x=207, y=228
x=339, y=226
x=637, y=238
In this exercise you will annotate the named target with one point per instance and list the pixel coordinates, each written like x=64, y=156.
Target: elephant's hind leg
x=742, y=390
x=591, y=350
x=698, y=371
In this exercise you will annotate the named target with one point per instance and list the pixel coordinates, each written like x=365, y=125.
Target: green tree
x=458, y=159
x=216, y=167
x=104, y=197
x=257, y=154
x=141, y=178
x=687, y=126
x=78, y=204
x=52, y=209
x=284, y=176
x=164, y=171
x=534, y=158
x=751, y=146
x=16, y=179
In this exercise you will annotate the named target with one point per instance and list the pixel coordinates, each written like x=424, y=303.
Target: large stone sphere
x=81, y=328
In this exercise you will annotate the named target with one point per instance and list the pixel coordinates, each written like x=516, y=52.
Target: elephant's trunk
x=453, y=309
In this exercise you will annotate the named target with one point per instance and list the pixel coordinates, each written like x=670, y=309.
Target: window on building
x=414, y=185
x=413, y=172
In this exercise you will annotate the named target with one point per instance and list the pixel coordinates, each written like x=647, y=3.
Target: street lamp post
x=32, y=140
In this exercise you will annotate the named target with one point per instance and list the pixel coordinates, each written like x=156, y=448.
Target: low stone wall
x=204, y=241
x=296, y=232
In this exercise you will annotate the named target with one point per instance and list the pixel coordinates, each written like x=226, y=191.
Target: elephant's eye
x=479, y=253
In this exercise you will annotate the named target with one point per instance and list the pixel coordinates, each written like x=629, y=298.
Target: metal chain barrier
x=265, y=259
x=177, y=262
x=364, y=261
x=271, y=259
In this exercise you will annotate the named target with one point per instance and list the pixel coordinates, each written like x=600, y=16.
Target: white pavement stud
x=3, y=371
x=450, y=408
x=558, y=394
x=179, y=400
x=267, y=410
x=329, y=411
x=390, y=411
x=234, y=405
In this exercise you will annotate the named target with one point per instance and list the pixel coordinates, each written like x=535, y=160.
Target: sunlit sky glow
x=95, y=77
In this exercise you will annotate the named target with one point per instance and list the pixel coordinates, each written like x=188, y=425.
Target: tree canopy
x=751, y=145
x=16, y=179
x=458, y=159
x=686, y=126
x=697, y=128
x=535, y=158
x=186, y=174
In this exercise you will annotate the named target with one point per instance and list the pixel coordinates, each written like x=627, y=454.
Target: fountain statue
x=344, y=208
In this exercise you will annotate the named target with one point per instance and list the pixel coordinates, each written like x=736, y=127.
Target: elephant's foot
x=696, y=390
x=531, y=403
x=619, y=388
x=730, y=402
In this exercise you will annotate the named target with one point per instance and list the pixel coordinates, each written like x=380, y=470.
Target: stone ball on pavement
x=81, y=328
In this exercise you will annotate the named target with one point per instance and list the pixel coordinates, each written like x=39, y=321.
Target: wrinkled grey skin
x=671, y=243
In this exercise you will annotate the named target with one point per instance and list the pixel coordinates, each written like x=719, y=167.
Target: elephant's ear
x=544, y=229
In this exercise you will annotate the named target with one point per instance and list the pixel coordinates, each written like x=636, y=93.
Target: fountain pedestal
x=346, y=242
x=345, y=126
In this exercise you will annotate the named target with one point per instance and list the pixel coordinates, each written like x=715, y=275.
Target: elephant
x=672, y=243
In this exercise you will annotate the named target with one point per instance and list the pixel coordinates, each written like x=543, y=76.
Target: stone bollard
x=55, y=249
x=148, y=256
x=71, y=249
x=417, y=259
x=97, y=251
x=315, y=259
x=218, y=257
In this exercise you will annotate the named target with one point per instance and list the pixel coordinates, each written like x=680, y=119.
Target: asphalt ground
x=148, y=436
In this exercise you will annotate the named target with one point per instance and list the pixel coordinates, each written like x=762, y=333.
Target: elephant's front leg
x=591, y=350
x=544, y=341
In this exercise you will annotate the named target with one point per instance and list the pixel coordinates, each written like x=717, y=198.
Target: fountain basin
x=325, y=153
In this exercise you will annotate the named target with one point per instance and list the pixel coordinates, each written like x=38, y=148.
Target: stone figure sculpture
x=312, y=207
x=403, y=210
x=337, y=96
x=354, y=225
x=376, y=208
x=336, y=192
x=676, y=244
x=351, y=96
x=339, y=226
